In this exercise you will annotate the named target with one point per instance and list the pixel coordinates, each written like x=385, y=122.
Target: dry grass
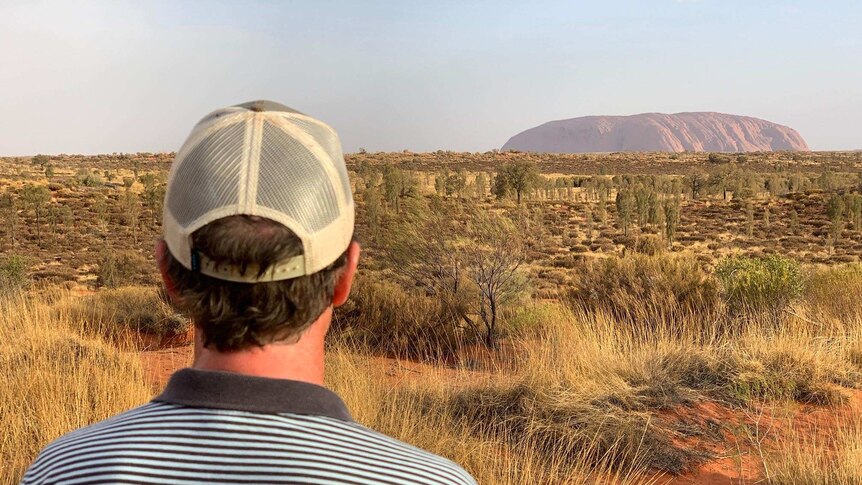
x=420, y=413
x=114, y=312
x=56, y=377
x=647, y=291
x=831, y=459
x=585, y=405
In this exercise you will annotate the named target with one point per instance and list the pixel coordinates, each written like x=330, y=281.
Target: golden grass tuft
x=821, y=459
x=113, y=312
x=56, y=378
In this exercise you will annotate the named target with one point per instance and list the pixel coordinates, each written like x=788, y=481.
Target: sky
x=114, y=76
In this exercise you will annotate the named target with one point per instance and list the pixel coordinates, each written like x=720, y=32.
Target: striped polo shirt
x=220, y=427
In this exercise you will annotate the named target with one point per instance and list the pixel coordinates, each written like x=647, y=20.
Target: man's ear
x=161, y=252
x=345, y=281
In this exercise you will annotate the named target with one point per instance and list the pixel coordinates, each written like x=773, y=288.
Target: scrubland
x=703, y=336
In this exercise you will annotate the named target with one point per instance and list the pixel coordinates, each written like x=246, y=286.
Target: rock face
x=658, y=132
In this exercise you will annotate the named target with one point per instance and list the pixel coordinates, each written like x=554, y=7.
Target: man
x=258, y=248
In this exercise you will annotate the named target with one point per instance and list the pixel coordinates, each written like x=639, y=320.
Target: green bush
x=121, y=268
x=88, y=179
x=13, y=273
x=759, y=284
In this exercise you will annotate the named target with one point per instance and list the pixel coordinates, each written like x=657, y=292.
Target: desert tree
x=153, y=195
x=422, y=247
x=835, y=211
x=373, y=211
x=655, y=209
x=456, y=183
x=717, y=182
x=87, y=178
x=766, y=217
x=100, y=209
x=67, y=218
x=856, y=211
x=41, y=161
x=696, y=182
x=776, y=184
x=132, y=213
x=517, y=177
x=671, y=216
x=660, y=220
x=427, y=249
x=36, y=197
x=642, y=196
x=492, y=259
x=391, y=180
x=9, y=212
x=602, y=207
x=853, y=209
x=625, y=203
x=827, y=181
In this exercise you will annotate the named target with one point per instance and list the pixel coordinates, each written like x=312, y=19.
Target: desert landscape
x=540, y=318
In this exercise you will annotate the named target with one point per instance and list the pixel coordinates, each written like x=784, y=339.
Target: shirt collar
x=228, y=390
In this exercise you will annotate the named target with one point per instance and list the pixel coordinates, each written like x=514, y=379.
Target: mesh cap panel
x=330, y=145
x=214, y=164
x=264, y=159
x=294, y=182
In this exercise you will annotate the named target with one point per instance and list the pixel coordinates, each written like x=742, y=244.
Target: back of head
x=258, y=216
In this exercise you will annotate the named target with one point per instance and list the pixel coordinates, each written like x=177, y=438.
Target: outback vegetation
x=539, y=318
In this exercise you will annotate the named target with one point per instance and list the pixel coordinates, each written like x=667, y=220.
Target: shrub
x=143, y=309
x=120, y=268
x=718, y=158
x=88, y=179
x=759, y=284
x=647, y=290
x=650, y=245
x=13, y=273
x=381, y=316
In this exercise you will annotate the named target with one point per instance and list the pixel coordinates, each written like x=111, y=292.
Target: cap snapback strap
x=283, y=270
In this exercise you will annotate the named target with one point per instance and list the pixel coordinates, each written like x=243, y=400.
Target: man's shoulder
x=445, y=471
x=308, y=442
x=61, y=449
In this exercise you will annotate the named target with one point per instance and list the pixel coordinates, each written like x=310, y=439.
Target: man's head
x=258, y=223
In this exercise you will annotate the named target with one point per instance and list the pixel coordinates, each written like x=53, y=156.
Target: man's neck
x=300, y=361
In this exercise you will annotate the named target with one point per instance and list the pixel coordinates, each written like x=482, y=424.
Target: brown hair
x=235, y=316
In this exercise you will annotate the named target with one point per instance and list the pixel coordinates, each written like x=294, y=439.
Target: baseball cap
x=261, y=159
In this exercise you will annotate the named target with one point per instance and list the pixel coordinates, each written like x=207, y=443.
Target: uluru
x=658, y=132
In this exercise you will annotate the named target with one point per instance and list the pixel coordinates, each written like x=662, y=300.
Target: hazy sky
x=96, y=77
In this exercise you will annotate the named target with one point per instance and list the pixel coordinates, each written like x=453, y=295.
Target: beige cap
x=262, y=159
